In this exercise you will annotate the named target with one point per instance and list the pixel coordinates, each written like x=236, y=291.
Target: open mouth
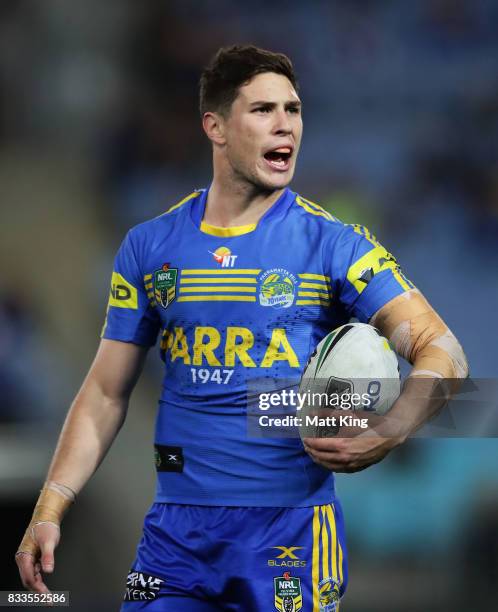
x=279, y=159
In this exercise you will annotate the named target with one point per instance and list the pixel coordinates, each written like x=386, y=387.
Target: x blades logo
x=287, y=558
x=288, y=552
x=168, y=458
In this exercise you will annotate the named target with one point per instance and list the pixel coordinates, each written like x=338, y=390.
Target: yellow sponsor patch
x=375, y=261
x=123, y=294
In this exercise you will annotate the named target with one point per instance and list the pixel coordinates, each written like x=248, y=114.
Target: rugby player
x=240, y=280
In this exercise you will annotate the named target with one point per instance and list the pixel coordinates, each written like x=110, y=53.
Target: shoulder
x=164, y=223
x=144, y=239
x=316, y=219
x=313, y=213
x=341, y=241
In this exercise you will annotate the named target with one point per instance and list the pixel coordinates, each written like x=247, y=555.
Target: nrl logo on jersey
x=277, y=288
x=164, y=281
x=223, y=256
x=288, y=594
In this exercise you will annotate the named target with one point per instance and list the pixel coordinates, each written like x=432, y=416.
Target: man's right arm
x=92, y=423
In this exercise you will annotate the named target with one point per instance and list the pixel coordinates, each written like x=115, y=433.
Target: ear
x=214, y=126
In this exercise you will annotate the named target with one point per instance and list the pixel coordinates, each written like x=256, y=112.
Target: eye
x=295, y=110
x=262, y=109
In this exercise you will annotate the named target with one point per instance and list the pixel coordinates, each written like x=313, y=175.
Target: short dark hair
x=233, y=66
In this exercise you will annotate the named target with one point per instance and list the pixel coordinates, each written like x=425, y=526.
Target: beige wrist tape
x=50, y=508
x=420, y=336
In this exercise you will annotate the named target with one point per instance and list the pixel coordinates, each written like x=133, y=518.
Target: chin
x=276, y=182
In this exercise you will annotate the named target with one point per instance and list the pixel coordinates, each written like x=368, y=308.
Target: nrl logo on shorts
x=288, y=595
x=328, y=594
x=165, y=285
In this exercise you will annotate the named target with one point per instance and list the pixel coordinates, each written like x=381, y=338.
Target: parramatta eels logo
x=165, y=285
x=277, y=288
x=328, y=594
x=288, y=595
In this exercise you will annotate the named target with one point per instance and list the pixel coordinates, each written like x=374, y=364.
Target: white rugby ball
x=353, y=359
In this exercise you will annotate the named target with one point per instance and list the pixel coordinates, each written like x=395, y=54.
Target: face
x=263, y=131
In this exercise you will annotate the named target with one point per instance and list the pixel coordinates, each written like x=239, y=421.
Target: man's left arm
x=419, y=335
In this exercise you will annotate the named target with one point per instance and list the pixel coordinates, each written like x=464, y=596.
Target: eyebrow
x=288, y=104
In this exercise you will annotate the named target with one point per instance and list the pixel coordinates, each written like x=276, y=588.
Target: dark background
x=99, y=130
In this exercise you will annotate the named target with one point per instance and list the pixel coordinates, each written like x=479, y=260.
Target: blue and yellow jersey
x=233, y=305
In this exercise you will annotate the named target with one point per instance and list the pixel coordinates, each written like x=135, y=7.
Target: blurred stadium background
x=99, y=130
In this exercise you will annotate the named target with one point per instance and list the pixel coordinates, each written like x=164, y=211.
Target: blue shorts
x=218, y=558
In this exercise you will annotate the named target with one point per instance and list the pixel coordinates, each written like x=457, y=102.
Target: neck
x=233, y=202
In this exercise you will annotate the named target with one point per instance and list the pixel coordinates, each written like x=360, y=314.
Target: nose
x=282, y=122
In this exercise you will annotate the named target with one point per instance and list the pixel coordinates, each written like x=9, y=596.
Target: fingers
x=29, y=572
x=327, y=455
x=47, y=558
x=336, y=462
x=329, y=444
x=44, y=538
x=39, y=585
x=346, y=455
x=25, y=564
x=47, y=536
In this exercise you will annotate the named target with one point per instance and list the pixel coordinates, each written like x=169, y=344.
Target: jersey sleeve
x=130, y=317
x=365, y=275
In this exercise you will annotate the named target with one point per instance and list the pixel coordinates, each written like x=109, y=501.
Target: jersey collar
x=275, y=212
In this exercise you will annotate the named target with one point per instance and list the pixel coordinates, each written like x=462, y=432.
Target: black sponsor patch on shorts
x=168, y=458
x=141, y=586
